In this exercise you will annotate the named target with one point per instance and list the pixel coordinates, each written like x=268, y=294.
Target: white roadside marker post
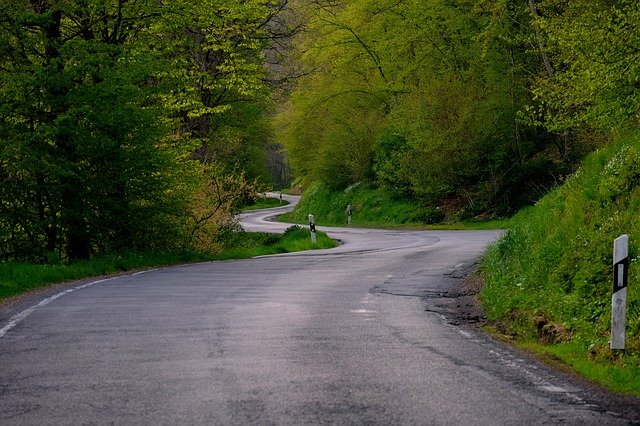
x=349, y=212
x=312, y=228
x=619, y=296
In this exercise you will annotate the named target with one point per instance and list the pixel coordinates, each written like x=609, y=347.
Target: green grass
x=468, y=225
x=372, y=208
x=265, y=203
x=18, y=278
x=617, y=372
x=548, y=281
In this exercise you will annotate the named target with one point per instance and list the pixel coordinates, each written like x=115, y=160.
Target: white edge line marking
x=16, y=319
x=465, y=334
x=521, y=365
x=144, y=272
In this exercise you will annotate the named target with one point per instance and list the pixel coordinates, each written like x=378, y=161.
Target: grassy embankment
x=17, y=278
x=265, y=203
x=372, y=208
x=549, y=280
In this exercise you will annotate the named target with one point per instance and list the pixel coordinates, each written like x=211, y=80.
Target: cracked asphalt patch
x=449, y=292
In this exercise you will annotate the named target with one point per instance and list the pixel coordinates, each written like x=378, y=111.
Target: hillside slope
x=370, y=207
x=549, y=280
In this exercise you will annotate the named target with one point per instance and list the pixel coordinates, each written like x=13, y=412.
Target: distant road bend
x=360, y=334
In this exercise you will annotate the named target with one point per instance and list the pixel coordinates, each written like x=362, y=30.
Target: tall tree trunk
x=78, y=241
x=543, y=52
x=46, y=218
x=73, y=217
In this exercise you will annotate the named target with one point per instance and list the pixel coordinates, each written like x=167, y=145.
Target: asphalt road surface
x=362, y=334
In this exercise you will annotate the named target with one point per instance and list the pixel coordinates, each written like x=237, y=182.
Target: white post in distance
x=619, y=296
x=312, y=228
x=349, y=213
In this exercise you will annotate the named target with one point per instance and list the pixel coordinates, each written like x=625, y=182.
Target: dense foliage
x=122, y=123
x=594, y=48
x=472, y=106
x=138, y=125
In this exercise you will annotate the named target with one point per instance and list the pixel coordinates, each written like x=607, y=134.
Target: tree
x=102, y=106
x=335, y=113
x=595, y=49
x=424, y=97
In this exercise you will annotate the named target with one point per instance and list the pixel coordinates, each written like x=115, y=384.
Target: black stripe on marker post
x=621, y=274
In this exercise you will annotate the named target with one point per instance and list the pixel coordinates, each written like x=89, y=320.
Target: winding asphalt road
x=360, y=334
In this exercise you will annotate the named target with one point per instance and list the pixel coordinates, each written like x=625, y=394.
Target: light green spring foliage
x=333, y=119
x=225, y=104
x=452, y=100
x=556, y=260
x=419, y=96
x=102, y=104
x=220, y=53
x=594, y=48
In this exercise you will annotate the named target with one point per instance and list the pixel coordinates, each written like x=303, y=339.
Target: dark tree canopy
x=102, y=107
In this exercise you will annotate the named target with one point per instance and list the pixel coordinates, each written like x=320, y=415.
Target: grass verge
x=373, y=208
x=617, y=371
x=548, y=281
x=18, y=278
x=265, y=203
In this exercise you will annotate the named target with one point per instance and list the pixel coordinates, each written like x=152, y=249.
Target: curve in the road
x=338, y=336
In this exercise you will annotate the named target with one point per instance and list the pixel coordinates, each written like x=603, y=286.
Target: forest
x=130, y=125
x=143, y=125
x=475, y=107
